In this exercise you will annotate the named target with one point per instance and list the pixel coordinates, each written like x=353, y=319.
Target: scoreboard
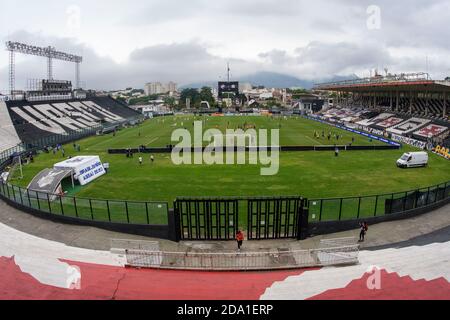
x=228, y=89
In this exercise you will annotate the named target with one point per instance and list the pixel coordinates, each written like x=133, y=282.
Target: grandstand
x=413, y=94
x=53, y=108
x=407, y=107
x=25, y=121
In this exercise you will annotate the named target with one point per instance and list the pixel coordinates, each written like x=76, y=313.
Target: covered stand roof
x=419, y=82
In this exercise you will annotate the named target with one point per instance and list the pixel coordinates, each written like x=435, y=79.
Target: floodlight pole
x=12, y=72
x=50, y=64
x=77, y=75
x=48, y=52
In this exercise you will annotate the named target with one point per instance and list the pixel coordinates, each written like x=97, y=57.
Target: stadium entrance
x=218, y=219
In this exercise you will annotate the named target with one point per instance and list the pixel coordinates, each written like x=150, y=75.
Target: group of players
x=330, y=135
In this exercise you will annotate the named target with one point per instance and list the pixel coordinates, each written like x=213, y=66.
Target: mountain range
x=273, y=80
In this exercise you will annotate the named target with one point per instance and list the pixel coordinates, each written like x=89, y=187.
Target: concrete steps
x=417, y=266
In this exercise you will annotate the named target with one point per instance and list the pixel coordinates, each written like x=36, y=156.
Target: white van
x=413, y=159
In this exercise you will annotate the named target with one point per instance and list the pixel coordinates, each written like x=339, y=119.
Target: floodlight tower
x=12, y=72
x=48, y=52
x=77, y=75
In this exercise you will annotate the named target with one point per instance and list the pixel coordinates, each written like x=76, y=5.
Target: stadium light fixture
x=48, y=52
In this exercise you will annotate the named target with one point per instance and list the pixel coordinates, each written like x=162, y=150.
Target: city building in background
x=153, y=88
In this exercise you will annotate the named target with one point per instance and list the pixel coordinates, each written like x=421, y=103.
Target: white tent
x=85, y=168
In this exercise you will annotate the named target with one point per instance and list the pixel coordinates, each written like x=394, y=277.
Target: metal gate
x=277, y=218
x=207, y=219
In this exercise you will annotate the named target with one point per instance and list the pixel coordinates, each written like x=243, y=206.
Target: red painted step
x=106, y=282
x=393, y=287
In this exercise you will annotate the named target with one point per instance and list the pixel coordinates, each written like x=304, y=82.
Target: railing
x=411, y=77
x=339, y=209
x=117, y=211
x=74, y=135
x=272, y=260
x=123, y=244
x=6, y=154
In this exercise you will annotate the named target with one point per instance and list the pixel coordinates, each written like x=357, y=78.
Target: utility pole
x=228, y=81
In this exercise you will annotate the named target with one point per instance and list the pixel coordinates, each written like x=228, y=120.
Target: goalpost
x=17, y=162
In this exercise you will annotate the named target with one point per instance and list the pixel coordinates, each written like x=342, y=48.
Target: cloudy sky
x=128, y=43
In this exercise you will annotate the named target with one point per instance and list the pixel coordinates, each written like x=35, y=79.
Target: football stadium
x=108, y=188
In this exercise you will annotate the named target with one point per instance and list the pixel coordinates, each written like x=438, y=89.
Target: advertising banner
x=85, y=168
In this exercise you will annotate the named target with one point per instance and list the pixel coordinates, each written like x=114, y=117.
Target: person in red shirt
x=239, y=239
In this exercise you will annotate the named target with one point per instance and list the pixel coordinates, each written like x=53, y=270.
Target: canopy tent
x=47, y=184
x=84, y=168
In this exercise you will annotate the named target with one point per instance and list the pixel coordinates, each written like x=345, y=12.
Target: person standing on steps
x=239, y=239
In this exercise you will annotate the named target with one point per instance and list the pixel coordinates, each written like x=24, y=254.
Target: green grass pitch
x=309, y=174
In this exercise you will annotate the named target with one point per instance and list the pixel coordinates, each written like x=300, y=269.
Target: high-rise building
x=172, y=87
x=159, y=88
x=153, y=88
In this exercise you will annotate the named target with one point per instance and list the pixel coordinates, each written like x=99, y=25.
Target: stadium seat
x=27, y=120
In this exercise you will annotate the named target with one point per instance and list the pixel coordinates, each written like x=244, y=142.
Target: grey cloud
x=262, y=8
x=318, y=60
x=183, y=63
x=164, y=11
x=277, y=57
x=171, y=53
x=331, y=39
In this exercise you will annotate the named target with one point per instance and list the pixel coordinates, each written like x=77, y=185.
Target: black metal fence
x=275, y=218
x=128, y=212
x=220, y=218
x=206, y=219
x=340, y=209
x=7, y=154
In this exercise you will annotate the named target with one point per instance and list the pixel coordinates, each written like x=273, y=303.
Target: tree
x=170, y=102
x=272, y=103
x=137, y=91
x=298, y=93
x=143, y=100
x=207, y=95
x=191, y=94
x=121, y=99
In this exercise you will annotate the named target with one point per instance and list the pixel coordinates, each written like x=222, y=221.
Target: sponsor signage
x=371, y=136
x=85, y=168
x=442, y=151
